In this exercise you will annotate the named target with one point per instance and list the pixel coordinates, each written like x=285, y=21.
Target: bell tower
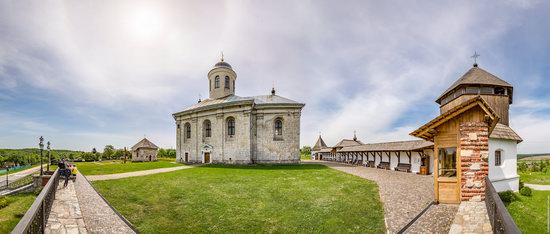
x=221, y=80
x=478, y=82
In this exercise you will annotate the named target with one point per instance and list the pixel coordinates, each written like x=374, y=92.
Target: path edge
x=112, y=207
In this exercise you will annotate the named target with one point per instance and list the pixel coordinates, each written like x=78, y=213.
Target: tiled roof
x=390, y=146
x=476, y=76
x=144, y=144
x=502, y=131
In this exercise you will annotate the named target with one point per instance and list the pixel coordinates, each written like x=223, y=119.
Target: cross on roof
x=475, y=57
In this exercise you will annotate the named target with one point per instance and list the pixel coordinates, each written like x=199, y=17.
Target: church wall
x=272, y=149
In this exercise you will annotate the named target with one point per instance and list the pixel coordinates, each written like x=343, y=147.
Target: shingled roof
x=502, y=131
x=347, y=142
x=390, y=146
x=319, y=145
x=144, y=144
x=475, y=76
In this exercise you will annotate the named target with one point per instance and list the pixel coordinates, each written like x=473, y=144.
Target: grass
x=248, y=199
x=535, y=177
x=18, y=205
x=530, y=213
x=305, y=157
x=117, y=166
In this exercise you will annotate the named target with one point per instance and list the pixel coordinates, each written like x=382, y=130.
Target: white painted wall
x=504, y=177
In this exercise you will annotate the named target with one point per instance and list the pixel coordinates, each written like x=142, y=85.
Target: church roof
x=390, y=146
x=320, y=144
x=475, y=76
x=222, y=64
x=502, y=131
x=235, y=100
x=145, y=143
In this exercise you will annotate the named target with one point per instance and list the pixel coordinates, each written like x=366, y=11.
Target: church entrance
x=207, y=157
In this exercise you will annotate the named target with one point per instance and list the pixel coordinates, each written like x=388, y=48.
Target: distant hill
x=534, y=156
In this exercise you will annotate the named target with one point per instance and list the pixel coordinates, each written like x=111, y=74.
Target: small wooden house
x=144, y=151
x=472, y=139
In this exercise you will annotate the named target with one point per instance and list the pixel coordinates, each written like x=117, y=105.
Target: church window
x=486, y=90
x=217, y=82
x=187, y=130
x=226, y=83
x=278, y=127
x=230, y=126
x=472, y=90
x=207, y=128
x=498, y=157
x=500, y=91
x=233, y=85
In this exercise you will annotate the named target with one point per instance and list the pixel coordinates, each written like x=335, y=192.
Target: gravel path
x=134, y=173
x=538, y=186
x=404, y=195
x=98, y=215
x=437, y=219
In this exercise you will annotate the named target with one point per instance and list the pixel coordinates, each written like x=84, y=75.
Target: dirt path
x=135, y=173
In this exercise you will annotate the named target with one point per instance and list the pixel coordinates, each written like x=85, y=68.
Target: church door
x=206, y=157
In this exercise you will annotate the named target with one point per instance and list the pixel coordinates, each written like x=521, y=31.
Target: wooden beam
x=409, y=155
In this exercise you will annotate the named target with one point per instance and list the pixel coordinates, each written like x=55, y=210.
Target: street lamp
x=41, y=145
x=49, y=156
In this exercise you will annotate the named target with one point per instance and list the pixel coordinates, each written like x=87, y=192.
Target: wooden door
x=206, y=157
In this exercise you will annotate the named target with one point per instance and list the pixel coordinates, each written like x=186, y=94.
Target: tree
x=108, y=151
x=306, y=150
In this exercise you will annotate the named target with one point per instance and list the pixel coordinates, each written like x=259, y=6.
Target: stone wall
x=142, y=154
x=277, y=149
x=474, y=151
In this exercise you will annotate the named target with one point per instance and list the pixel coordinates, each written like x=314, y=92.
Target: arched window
x=207, y=126
x=498, y=157
x=187, y=130
x=233, y=85
x=217, y=82
x=278, y=127
x=230, y=126
x=226, y=82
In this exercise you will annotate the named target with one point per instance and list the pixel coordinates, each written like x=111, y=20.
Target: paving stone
x=97, y=214
x=404, y=196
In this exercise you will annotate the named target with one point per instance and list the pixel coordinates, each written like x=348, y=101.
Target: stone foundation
x=474, y=152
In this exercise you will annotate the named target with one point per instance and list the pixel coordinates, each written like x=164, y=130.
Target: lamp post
x=41, y=145
x=49, y=156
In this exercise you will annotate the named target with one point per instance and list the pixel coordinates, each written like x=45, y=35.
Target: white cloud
x=357, y=65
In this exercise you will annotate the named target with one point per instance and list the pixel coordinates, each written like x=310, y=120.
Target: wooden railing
x=500, y=219
x=36, y=217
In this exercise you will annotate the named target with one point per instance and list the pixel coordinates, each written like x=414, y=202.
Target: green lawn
x=117, y=166
x=535, y=177
x=10, y=215
x=530, y=212
x=248, y=199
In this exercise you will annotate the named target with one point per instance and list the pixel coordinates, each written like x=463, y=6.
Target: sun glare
x=144, y=23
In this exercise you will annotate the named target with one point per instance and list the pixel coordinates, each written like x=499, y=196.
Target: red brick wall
x=474, y=152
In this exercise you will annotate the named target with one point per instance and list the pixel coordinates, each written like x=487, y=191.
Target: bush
x=526, y=191
x=507, y=196
x=521, y=184
x=3, y=202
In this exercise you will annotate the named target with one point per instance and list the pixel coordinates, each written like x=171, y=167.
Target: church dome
x=222, y=64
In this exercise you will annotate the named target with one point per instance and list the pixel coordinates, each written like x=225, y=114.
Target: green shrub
x=526, y=191
x=521, y=184
x=507, y=196
x=3, y=202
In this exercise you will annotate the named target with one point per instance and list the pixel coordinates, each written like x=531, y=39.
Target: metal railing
x=500, y=219
x=35, y=219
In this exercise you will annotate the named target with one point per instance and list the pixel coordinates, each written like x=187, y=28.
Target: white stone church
x=226, y=128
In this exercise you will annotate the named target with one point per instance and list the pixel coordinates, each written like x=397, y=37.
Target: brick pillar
x=474, y=153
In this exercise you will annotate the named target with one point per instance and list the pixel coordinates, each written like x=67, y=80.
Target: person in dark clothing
x=61, y=166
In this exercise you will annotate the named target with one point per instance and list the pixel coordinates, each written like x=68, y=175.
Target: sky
x=87, y=74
